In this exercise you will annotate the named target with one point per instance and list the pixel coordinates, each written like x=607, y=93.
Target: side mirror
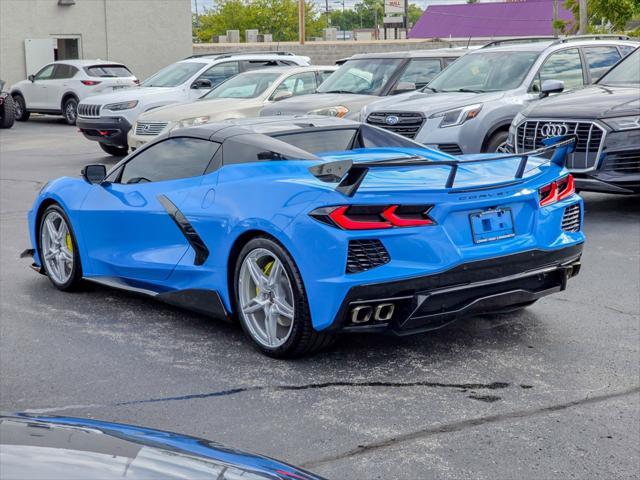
x=94, y=173
x=31, y=78
x=281, y=95
x=404, y=87
x=551, y=86
x=202, y=83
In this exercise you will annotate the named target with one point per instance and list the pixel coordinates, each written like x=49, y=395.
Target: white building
x=145, y=35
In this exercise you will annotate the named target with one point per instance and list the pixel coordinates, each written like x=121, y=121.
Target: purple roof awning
x=511, y=19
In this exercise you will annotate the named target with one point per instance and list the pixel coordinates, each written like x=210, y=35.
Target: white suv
x=107, y=118
x=58, y=87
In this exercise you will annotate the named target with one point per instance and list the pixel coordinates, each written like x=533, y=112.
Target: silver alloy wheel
x=70, y=112
x=503, y=148
x=266, y=298
x=56, y=247
x=17, y=109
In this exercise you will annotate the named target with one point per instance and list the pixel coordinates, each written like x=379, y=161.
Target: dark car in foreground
x=7, y=108
x=606, y=119
x=33, y=447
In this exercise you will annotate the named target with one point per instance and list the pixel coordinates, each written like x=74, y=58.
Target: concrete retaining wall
x=326, y=53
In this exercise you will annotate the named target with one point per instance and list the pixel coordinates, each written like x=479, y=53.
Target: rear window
x=108, y=71
x=320, y=140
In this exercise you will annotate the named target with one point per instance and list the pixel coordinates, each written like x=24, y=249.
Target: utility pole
x=326, y=6
x=301, y=21
x=406, y=18
x=583, y=17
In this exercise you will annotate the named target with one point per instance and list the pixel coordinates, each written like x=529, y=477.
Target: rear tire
x=70, y=111
x=58, y=250
x=20, y=108
x=113, y=150
x=8, y=112
x=297, y=336
x=497, y=143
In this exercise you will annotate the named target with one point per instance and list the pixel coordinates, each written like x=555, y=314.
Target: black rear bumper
x=107, y=130
x=480, y=287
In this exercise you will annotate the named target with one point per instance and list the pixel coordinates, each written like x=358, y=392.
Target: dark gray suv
x=606, y=119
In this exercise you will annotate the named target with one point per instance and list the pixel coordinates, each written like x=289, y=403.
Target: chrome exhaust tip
x=361, y=314
x=384, y=312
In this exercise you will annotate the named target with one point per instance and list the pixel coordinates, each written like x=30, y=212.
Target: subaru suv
x=469, y=107
x=107, y=119
x=606, y=119
x=366, y=77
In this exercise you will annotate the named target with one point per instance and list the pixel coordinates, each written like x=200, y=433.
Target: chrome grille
x=407, y=124
x=529, y=136
x=623, y=162
x=571, y=218
x=88, y=111
x=150, y=128
x=366, y=254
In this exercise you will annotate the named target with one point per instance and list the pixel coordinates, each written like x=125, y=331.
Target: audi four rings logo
x=554, y=129
x=391, y=120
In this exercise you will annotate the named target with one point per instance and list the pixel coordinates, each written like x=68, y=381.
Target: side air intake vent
x=366, y=254
x=571, y=218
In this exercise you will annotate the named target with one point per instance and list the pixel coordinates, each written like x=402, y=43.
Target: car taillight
x=370, y=217
x=90, y=83
x=556, y=191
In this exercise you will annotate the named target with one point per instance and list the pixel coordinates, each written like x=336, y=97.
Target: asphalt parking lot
x=553, y=392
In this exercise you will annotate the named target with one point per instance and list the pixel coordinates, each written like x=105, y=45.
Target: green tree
x=604, y=12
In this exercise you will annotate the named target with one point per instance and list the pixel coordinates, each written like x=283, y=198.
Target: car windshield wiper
x=337, y=91
x=427, y=87
x=464, y=90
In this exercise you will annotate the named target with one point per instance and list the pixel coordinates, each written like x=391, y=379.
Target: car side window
x=174, y=158
x=565, y=65
x=220, y=72
x=600, y=59
x=449, y=61
x=299, y=84
x=421, y=71
x=626, y=49
x=324, y=74
x=45, y=73
x=64, y=71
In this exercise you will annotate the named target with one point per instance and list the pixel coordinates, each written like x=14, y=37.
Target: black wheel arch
x=498, y=127
x=66, y=97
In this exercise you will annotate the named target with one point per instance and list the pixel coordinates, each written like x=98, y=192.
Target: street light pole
x=583, y=17
x=301, y=33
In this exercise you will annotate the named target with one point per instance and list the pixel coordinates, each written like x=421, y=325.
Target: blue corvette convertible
x=304, y=227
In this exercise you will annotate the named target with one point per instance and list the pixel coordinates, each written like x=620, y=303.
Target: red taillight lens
x=370, y=217
x=556, y=191
x=90, y=83
x=566, y=187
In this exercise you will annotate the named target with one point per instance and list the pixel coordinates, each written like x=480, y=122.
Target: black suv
x=606, y=119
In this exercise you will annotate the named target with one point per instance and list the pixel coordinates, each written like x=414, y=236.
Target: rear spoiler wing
x=350, y=175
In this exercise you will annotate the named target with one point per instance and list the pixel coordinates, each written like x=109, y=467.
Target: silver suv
x=469, y=106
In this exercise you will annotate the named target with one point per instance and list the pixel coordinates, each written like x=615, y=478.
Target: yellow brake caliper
x=266, y=270
x=69, y=242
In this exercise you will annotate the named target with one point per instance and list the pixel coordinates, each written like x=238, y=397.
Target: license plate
x=116, y=87
x=492, y=225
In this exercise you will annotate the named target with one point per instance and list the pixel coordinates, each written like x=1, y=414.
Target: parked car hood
x=216, y=107
x=73, y=448
x=429, y=103
x=127, y=94
x=306, y=103
x=597, y=101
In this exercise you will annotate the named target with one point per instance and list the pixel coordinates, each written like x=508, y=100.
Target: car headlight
x=192, y=122
x=115, y=107
x=337, y=111
x=451, y=118
x=623, y=123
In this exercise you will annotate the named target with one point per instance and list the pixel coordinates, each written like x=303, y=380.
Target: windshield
x=364, y=76
x=485, y=72
x=626, y=72
x=173, y=75
x=245, y=85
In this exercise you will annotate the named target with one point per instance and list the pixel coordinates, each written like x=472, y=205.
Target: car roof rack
x=241, y=52
x=602, y=36
x=515, y=40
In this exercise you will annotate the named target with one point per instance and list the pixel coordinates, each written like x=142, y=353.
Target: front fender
x=69, y=193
